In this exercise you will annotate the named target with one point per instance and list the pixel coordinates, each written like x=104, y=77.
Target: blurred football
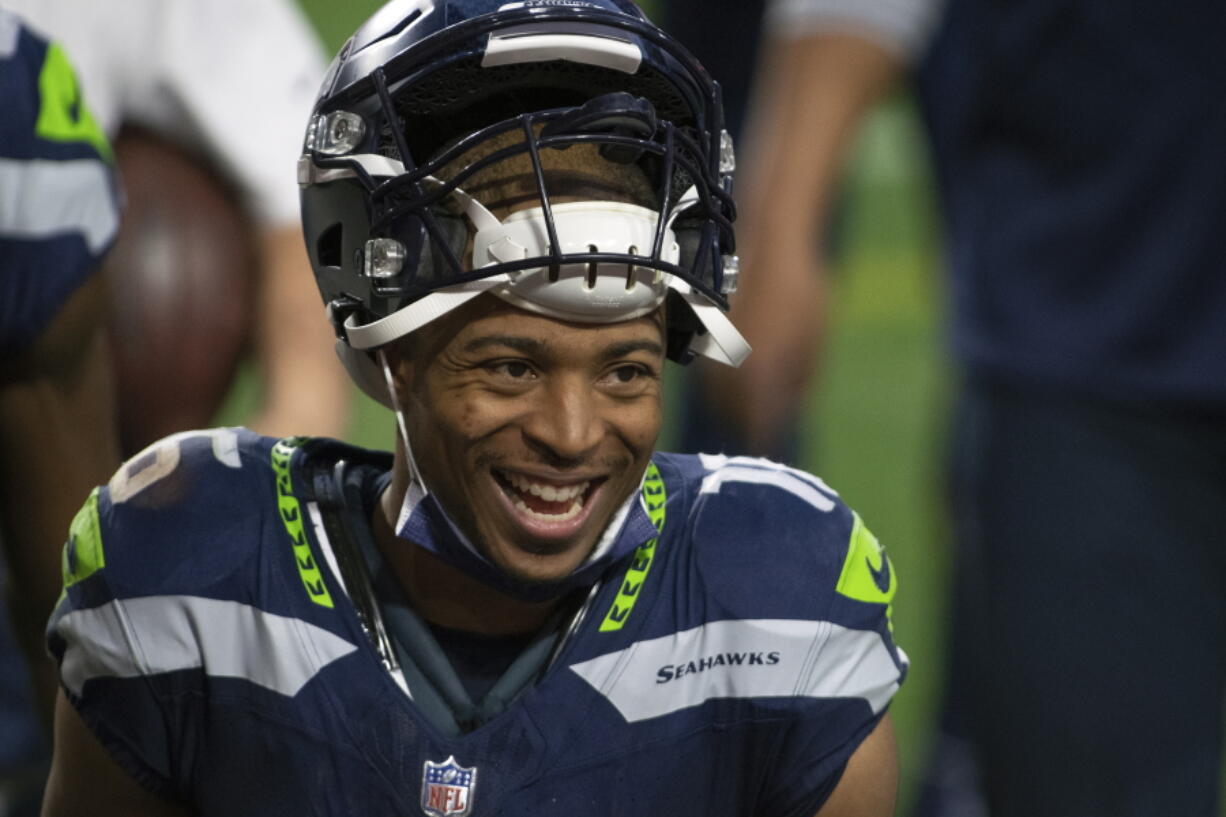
x=182, y=283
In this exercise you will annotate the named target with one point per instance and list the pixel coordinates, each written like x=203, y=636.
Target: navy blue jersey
x=1078, y=151
x=58, y=212
x=58, y=198
x=728, y=666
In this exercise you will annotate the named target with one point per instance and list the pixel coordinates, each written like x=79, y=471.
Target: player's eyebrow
x=631, y=346
x=532, y=346
x=528, y=346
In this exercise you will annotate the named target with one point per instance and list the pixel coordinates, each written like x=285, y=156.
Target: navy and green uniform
x=58, y=201
x=58, y=214
x=213, y=636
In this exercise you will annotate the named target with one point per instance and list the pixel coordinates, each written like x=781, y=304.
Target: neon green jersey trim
x=291, y=516
x=867, y=575
x=83, y=555
x=628, y=594
x=63, y=115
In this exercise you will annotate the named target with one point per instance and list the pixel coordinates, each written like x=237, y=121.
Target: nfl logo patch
x=447, y=788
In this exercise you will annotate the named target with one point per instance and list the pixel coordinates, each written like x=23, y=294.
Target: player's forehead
x=488, y=323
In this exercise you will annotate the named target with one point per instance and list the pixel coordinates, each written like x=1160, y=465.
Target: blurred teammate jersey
x=59, y=203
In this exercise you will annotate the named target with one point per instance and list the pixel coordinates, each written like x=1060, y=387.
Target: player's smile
x=532, y=431
x=552, y=508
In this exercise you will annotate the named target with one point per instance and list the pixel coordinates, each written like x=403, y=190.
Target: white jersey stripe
x=758, y=658
x=155, y=634
x=713, y=462
x=10, y=29
x=784, y=479
x=43, y=198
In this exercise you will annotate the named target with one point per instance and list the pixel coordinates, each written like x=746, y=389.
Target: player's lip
x=569, y=501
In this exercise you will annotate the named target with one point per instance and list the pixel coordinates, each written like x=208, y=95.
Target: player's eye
x=513, y=369
x=628, y=374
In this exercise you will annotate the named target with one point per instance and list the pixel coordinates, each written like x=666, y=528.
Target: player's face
x=532, y=431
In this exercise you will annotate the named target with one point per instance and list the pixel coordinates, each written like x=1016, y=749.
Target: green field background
x=874, y=423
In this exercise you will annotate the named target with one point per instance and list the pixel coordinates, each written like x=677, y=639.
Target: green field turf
x=874, y=425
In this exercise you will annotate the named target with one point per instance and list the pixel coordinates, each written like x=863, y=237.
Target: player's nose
x=565, y=421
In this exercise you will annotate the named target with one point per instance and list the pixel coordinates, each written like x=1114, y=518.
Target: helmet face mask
x=611, y=132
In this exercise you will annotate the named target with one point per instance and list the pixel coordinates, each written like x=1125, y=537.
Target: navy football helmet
x=428, y=94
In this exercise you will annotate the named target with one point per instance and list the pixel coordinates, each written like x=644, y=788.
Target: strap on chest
x=405, y=644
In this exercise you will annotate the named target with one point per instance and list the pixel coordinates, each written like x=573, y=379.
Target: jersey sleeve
x=148, y=560
x=791, y=555
x=59, y=201
x=860, y=668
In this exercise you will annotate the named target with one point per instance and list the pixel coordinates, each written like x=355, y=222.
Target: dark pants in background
x=1089, y=646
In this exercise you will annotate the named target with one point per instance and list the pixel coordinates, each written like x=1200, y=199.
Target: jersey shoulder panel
x=756, y=612
x=180, y=514
x=46, y=115
x=796, y=595
x=192, y=571
x=769, y=540
x=219, y=513
x=59, y=211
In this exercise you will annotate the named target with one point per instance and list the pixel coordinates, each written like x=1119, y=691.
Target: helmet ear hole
x=328, y=246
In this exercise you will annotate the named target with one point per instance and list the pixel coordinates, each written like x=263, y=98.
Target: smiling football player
x=516, y=214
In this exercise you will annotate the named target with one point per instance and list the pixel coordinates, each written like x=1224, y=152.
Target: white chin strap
x=582, y=293
x=394, y=404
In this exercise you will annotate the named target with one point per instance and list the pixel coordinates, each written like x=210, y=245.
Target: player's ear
x=402, y=365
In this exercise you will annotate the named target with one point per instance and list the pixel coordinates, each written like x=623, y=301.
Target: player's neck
x=443, y=594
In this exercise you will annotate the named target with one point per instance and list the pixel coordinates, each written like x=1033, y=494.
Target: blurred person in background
x=708, y=35
x=230, y=82
x=701, y=426
x=58, y=215
x=186, y=72
x=1077, y=148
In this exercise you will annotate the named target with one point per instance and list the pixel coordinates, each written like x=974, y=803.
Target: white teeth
x=569, y=513
x=549, y=493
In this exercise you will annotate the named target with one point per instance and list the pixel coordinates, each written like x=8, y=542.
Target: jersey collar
x=424, y=522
